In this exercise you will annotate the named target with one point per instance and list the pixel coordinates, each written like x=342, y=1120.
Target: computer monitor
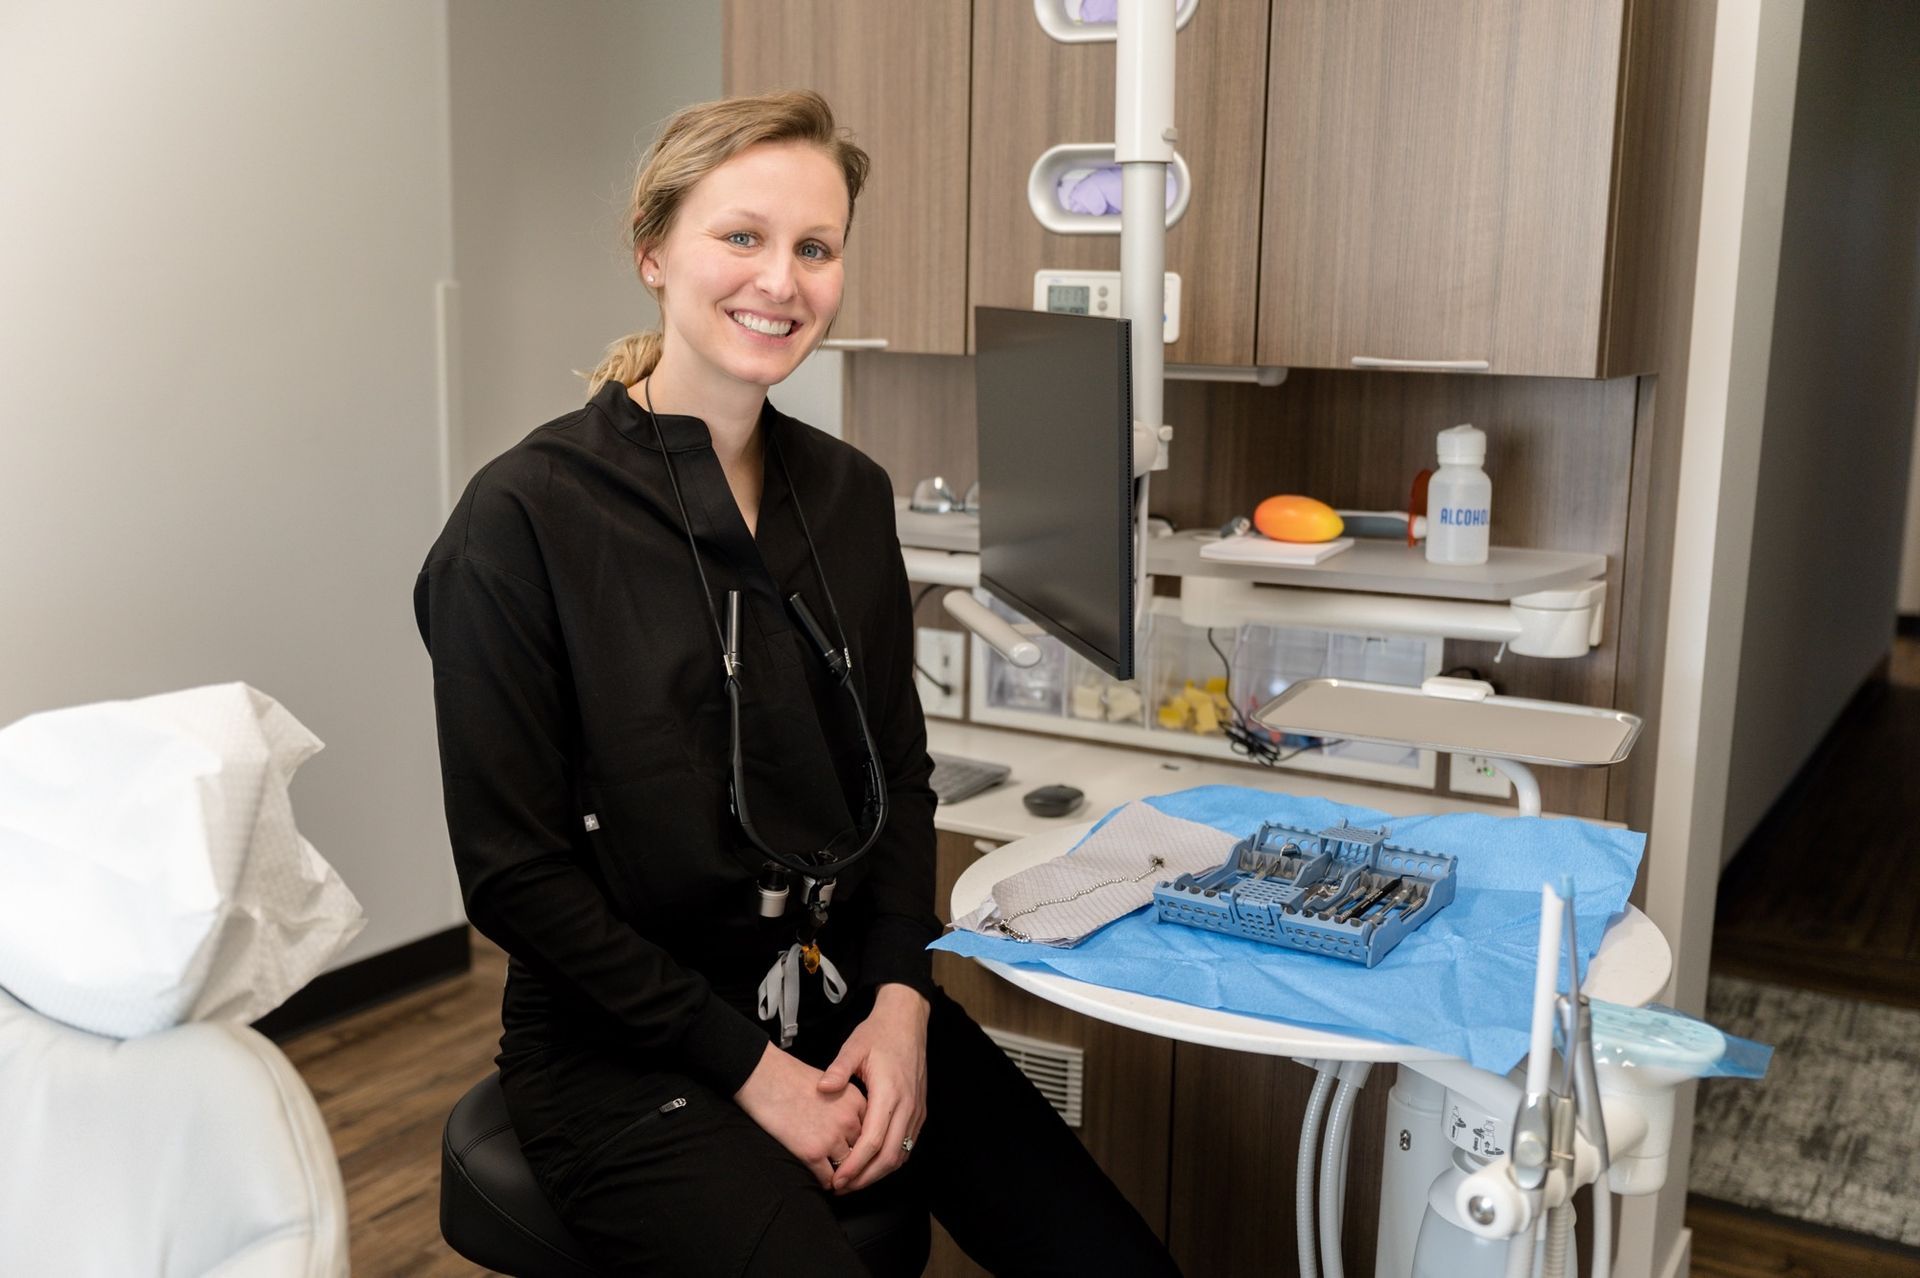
x=1055, y=401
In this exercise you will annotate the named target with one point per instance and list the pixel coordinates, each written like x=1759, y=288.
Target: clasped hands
x=848, y=1139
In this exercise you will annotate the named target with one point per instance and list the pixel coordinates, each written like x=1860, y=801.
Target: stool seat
x=493, y=1212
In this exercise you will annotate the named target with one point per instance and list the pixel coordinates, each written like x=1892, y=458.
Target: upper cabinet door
x=895, y=73
x=1031, y=93
x=1438, y=180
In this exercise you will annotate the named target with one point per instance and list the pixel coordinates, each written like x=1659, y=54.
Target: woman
x=701, y=1044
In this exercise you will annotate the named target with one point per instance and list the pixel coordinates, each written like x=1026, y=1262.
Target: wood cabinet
x=1031, y=93
x=1441, y=185
x=896, y=77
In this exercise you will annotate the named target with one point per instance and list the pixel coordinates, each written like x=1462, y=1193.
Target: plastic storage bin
x=1068, y=696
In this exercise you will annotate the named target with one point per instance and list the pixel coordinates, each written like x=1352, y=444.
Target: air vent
x=1057, y=1070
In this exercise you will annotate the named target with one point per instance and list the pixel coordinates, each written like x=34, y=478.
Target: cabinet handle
x=1430, y=365
x=984, y=846
x=854, y=344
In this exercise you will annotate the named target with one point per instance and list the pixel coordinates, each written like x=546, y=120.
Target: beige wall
x=221, y=228
x=228, y=238
x=1836, y=449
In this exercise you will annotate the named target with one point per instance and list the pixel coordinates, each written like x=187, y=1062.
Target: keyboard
x=955, y=778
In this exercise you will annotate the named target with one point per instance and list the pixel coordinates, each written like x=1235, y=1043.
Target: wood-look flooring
x=386, y=1079
x=1823, y=895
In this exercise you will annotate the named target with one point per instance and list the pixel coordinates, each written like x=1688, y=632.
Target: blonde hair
x=693, y=143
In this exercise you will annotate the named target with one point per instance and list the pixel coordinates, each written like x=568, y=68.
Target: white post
x=1143, y=138
x=1756, y=58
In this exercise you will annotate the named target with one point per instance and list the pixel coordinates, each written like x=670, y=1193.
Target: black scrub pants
x=655, y=1186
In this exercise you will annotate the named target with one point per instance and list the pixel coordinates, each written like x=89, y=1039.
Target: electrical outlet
x=941, y=655
x=1472, y=774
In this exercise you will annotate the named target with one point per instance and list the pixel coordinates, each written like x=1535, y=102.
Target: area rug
x=1832, y=1134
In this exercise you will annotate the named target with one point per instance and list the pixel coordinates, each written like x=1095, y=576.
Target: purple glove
x=1099, y=10
x=1098, y=193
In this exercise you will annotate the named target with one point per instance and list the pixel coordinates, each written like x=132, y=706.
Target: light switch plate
x=943, y=655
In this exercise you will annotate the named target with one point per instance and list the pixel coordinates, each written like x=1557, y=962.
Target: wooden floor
x=1850, y=923
x=386, y=1078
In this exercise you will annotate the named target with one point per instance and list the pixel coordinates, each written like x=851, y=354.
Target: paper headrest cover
x=150, y=870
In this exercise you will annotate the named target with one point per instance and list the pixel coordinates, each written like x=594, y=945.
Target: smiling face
x=749, y=274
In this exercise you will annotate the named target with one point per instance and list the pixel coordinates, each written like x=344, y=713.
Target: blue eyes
x=812, y=250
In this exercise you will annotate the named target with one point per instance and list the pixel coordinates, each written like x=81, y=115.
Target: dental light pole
x=1143, y=142
x=1143, y=145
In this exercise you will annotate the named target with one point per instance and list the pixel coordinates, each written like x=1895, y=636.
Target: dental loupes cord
x=1303, y=1173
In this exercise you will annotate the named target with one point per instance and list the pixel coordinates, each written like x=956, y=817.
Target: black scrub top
x=583, y=727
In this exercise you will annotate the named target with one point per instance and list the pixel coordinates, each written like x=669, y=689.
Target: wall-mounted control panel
x=1097, y=293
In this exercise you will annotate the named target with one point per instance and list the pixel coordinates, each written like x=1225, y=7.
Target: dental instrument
x=1368, y=901
x=1392, y=903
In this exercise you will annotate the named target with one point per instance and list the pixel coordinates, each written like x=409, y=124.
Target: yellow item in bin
x=1197, y=710
x=1205, y=721
x=1290, y=518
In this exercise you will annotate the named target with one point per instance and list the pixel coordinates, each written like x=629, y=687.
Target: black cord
x=822, y=865
x=1250, y=739
x=706, y=591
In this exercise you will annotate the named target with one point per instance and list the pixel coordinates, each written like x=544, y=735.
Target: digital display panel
x=1068, y=299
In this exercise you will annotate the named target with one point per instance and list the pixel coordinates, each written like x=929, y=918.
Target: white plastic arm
x=977, y=617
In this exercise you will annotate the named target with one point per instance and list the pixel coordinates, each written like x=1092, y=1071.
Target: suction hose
x=1303, y=1173
x=1559, y=1261
x=1333, y=1159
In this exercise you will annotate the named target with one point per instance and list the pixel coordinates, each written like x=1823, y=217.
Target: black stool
x=493, y=1213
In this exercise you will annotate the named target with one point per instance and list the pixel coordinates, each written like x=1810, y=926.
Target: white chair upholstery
x=193, y=1151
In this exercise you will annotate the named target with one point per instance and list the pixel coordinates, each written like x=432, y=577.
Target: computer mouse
x=1053, y=800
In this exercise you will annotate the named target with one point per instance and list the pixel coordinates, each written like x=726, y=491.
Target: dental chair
x=493, y=1212
x=193, y=1151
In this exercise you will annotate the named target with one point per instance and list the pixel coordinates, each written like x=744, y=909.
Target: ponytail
x=626, y=361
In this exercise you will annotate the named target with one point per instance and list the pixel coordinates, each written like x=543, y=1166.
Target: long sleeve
x=901, y=881
x=504, y=703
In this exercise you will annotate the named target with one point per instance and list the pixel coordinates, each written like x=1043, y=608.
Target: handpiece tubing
x=1303, y=1172
x=1546, y=983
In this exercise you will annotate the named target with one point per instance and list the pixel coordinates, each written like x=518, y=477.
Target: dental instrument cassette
x=1344, y=891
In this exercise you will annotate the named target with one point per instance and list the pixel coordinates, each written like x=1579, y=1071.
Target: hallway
x=1817, y=951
